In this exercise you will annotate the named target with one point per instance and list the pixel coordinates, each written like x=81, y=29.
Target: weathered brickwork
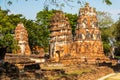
x=61, y=35
x=87, y=41
x=88, y=35
x=21, y=36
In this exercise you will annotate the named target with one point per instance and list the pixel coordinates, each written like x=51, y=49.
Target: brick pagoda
x=21, y=36
x=88, y=35
x=60, y=36
x=86, y=44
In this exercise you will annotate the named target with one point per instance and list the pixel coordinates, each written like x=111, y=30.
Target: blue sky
x=30, y=8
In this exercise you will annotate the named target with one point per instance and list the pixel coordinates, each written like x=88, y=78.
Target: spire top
x=87, y=4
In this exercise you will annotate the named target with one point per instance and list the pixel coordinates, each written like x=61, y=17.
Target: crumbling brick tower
x=21, y=36
x=60, y=36
x=88, y=36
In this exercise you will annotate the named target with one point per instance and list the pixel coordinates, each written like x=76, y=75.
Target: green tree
x=104, y=19
x=61, y=2
x=117, y=37
x=72, y=20
x=43, y=22
x=7, y=26
x=105, y=23
x=37, y=34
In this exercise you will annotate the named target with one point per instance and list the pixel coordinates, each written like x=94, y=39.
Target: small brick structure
x=21, y=36
x=86, y=45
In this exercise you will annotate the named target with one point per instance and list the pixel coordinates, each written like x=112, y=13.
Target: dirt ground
x=116, y=76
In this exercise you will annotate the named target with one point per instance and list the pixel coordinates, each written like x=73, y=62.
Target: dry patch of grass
x=68, y=74
x=78, y=71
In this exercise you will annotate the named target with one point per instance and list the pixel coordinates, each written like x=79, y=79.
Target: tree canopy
x=43, y=22
x=105, y=23
x=7, y=25
x=61, y=2
x=117, y=37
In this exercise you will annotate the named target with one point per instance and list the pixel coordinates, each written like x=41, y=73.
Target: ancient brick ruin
x=61, y=35
x=87, y=42
x=88, y=36
x=21, y=36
